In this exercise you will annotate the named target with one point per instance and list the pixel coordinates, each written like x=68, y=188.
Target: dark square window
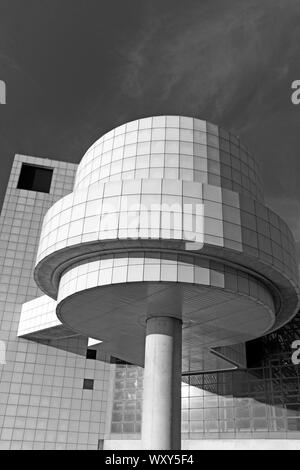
x=91, y=354
x=35, y=178
x=88, y=384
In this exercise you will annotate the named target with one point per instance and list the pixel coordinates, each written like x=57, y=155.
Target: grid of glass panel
x=230, y=220
x=126, y=411
x=171, y=147
x=254, y=403
x=38, y=314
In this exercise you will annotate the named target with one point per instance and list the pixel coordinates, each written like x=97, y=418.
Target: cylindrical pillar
x=161, y=419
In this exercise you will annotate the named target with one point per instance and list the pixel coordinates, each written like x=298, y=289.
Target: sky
x=74, y=69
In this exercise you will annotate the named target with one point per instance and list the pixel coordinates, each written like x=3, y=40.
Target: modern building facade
x=43, y=403
x=159, y=236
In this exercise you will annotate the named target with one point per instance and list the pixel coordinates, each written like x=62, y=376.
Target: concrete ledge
x=213, y=444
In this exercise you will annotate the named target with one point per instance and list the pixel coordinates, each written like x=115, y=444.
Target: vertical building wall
x=42, y=401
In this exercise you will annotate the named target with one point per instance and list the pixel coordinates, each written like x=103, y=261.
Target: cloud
x=221, y=61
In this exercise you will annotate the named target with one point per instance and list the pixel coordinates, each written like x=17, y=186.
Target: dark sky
x=75, y=69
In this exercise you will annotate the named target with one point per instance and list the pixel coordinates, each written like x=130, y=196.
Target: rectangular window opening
x=88, y=384
x=35, y=178
x=91, y=354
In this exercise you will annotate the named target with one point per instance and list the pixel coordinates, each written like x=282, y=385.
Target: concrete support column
x=161, y=419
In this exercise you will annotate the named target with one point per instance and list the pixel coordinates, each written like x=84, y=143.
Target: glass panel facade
x=127, y=399
x=259, y=402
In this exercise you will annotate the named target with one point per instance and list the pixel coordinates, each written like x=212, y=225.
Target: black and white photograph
x=150, y=227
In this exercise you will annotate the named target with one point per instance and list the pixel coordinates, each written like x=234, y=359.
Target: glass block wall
x=250, y=403
x=127, y=400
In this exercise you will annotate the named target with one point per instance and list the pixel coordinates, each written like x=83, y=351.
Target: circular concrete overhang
x=284, y=290
x=116, y=314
